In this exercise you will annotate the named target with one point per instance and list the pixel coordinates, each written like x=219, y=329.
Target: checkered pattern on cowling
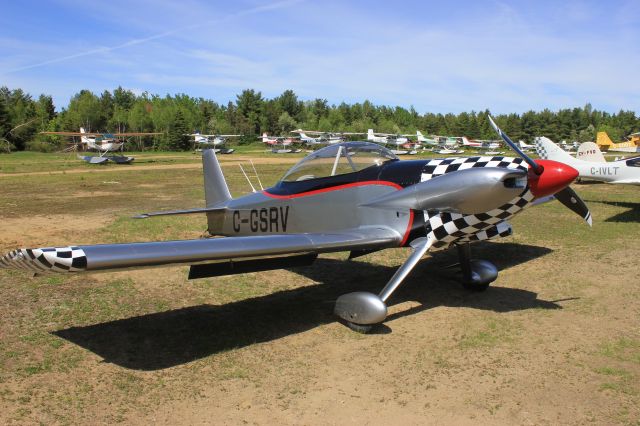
x=447, y=228
x=540, y=149
x=502, y=229
x=440, y=167
x=43, y=260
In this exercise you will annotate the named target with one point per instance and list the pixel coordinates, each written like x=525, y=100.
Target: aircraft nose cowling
x=554, y=177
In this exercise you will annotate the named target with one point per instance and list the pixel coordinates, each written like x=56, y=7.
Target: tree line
x=22, y=117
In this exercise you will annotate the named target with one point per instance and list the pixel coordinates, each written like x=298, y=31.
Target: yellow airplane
x=605, y=144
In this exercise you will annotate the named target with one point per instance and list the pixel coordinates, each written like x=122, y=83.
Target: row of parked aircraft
x=108, y=144
x=400, y=143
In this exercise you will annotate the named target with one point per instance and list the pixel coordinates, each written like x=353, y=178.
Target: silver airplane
x=591, y=164
x=352, y=196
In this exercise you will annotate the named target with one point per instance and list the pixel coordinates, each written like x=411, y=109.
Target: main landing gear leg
x=361, y=309
x=476, y=274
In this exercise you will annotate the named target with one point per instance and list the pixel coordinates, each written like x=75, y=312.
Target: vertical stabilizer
x=603, y=140
x=589, y=151
x=216, y=191
x=370, y=135
x=548, y=150
x=84, y=139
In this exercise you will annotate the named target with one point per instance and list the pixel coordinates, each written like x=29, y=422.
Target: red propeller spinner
x=553, y=177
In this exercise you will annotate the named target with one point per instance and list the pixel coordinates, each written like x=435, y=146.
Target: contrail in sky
x=251, y=11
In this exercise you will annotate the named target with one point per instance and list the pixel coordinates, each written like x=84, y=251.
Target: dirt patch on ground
x=43, y=229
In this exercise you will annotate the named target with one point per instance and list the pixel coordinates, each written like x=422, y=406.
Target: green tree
x=5, y=126
x=286, y=123
x=249, y=104
x=177, y=138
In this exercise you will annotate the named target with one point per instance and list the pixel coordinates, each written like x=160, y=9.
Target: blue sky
x=437, y=56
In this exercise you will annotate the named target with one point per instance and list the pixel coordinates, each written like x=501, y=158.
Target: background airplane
x=424, y=140
x=479, y=144
x=322, y=138
x=215, y=140
x=353, y=196
x=605, y=143
x=591, y=164
x=103, y=143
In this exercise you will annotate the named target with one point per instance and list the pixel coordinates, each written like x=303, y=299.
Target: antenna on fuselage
x=257, y=176
x=247, y=178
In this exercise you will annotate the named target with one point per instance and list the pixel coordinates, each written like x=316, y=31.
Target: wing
x=139, y=255
x=136, y=134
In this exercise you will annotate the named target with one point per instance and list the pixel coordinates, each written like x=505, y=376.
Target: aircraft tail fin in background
x=216, y=191
x=548, y=150
x=603, y=139
x=589, y=151
x=84, y=139
x=370, y=134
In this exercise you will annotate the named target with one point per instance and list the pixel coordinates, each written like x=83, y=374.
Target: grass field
x=555, y=340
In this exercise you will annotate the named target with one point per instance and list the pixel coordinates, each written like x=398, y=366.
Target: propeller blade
x=534, y=166
x=570, y=199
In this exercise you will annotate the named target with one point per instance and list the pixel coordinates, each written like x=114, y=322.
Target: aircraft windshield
x=634, y=162
x=339, y=159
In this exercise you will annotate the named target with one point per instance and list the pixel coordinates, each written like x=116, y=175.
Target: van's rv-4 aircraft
x=216, y=140
x=353, y=196
x=591, y=164
x=103, y=143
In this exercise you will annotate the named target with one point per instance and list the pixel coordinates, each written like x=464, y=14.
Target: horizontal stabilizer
x=176, y=212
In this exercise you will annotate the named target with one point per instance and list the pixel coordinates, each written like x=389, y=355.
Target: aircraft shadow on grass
x=166, y=339
x=630, y=215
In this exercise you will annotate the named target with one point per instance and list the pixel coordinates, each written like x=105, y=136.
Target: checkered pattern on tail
x=540, y=149
x=448, y=228
x=43, y=260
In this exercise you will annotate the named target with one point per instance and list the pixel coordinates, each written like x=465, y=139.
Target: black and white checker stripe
x=502, y=229
x=540, y=149
x=43, y=260
x=447, y=228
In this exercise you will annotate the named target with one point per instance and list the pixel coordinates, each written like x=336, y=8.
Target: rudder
x=548, y=150
x=589, y=151
x=216, y=191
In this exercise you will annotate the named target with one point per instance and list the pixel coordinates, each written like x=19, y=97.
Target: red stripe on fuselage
x=408, y=231
x=334, y=188
x=350, y=185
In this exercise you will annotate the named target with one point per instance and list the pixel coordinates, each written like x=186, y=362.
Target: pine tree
x=177, y=138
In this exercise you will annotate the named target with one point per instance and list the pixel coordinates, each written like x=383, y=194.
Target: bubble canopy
x=339, y=159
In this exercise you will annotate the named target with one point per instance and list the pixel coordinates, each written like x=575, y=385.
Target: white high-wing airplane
x=591, y=164
x=103, y=143
x=385, y=138
x=427, y=141
x=525, y=146
x=216, y=140
x=479, y=144
x=277, y=140
x=323, y=138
